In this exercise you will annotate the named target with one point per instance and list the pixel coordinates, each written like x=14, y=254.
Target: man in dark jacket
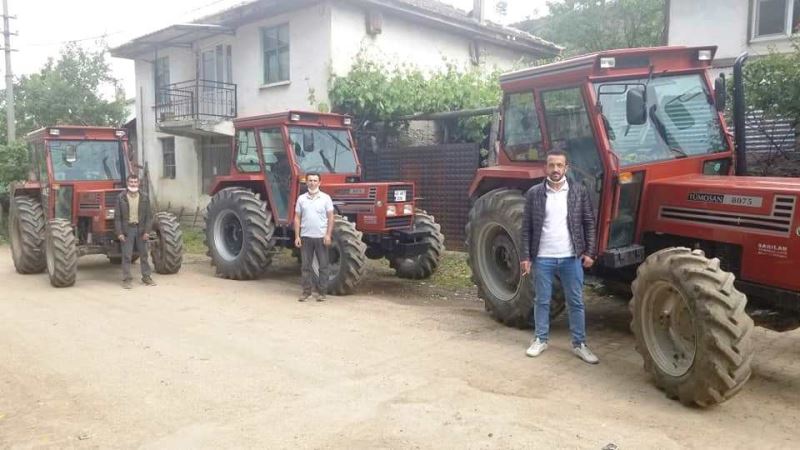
x=132, y=226
x=558, y=239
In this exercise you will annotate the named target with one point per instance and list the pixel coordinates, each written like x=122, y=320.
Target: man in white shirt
x=558, y=238
x=313, y=229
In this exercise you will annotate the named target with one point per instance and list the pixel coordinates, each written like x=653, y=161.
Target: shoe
x=583, y=352
x=536, y=348
x=321, y=297
x=148, y=281
x=126, y=284
x=303, y=297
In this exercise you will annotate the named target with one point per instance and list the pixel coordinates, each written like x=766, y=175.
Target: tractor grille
x=89, y=201
x=111, y=198
x=399, y=222
x=395, y=188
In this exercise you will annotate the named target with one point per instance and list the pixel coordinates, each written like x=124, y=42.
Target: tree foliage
x=585, y=26
x=67, y=90
x=772, y=83
x=380, y=93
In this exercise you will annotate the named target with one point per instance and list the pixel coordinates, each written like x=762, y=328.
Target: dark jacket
x=122, y=216
x=580, y=221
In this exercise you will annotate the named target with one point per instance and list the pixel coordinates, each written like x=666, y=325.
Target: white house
x=734, y=26
x=274, y=55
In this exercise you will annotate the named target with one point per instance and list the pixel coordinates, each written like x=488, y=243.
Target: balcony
x=196, y=108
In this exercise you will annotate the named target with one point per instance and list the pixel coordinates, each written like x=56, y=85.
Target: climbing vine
x=379, y=92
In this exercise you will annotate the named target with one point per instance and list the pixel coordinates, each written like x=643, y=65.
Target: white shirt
x=314, y=214
x=555, y=241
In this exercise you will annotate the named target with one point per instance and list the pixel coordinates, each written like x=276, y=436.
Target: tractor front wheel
x=425, y=264
x=26, y=226
x=346, y=257
x=690, y=326
x=167, y=249
x=62, y=253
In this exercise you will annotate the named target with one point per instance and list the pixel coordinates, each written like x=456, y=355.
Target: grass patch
x=193, y=242
x=453, y=272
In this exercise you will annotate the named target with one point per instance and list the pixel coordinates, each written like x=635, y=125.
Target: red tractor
x=645, y=133
x=252, y=209
x=66, y=208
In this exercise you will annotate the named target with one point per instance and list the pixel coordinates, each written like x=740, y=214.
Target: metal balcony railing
x=196, y=100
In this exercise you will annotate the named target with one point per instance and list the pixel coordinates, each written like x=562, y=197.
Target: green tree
x=585, y=26
x=67, y=90
x=772, y=84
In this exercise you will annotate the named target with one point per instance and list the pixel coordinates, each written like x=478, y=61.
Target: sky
x=44, y=26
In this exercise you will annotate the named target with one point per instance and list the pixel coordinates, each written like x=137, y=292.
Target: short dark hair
x=132, y=176
x=312, y=174
x=558, y=153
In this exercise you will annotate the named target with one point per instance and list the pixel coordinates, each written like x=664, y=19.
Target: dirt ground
x=201, y=362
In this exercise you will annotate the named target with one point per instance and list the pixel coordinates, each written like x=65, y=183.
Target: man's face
x=133, y=184
x=312, y=182
x=556, y=168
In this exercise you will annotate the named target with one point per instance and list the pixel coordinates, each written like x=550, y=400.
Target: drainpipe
x=739, y=135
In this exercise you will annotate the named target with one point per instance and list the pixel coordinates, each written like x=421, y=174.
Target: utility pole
x=10, y=119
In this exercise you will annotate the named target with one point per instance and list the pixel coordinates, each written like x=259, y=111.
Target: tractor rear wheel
x=26, y=226
x=494, y=247
x=238, y=234
x=691, y=327
x=425, y=264
x=167, y=250
x=62, y=253
x=346, y=258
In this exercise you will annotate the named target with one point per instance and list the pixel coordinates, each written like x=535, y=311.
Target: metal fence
x=196, y=100
x=442, y=175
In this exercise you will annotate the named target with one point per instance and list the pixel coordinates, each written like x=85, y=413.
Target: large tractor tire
x=62, y=253
x=493, y=247
x=346, y=257
x=238, y=234
x=423, y=265
x=690, y=326
x=26, y=227
x=167, y=249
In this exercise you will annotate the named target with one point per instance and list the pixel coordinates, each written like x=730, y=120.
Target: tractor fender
x=505, y=176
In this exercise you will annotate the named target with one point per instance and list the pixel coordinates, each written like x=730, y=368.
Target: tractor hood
x=757, y=214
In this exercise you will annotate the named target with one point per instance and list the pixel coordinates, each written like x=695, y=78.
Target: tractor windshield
x=681, y=119
x=323, y=150
x=85, y=160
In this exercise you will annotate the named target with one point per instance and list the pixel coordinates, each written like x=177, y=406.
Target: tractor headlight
x=408, y=209
x=391, y=211
x=110, y=214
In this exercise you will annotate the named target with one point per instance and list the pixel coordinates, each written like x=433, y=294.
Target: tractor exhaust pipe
x=739, y=135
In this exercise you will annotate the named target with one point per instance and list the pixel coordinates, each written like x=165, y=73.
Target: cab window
x=247, y=151
x=522, y=138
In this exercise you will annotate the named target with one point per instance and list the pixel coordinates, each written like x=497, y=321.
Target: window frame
x=787, y=23
x=265, y=81
x=168, y=171
x=162, y=78
x=540, y=145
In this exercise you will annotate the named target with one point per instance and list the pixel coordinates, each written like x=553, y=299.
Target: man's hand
x=587, y=261
x=298, y=242
x=121, y=238
x=327, y=240
x=525, y=267
x=146, y=236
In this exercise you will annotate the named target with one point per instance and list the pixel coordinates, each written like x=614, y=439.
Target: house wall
x=723, y=23
x=405, y=41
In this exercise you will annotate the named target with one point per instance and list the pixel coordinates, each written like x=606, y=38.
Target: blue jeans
x=570, y=272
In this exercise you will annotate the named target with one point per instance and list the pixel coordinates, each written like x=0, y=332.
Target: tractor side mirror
x=636, y=106
x=720, y=92
x=70, y=154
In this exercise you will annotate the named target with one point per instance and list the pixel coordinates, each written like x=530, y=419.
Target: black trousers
x=314, y=247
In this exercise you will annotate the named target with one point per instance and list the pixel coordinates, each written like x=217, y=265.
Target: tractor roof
x=304, y=118
x=610, y=63
x=76, y=132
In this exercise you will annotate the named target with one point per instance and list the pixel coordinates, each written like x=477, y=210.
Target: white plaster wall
x=404, y=41
x=184, y=190
x=723, y=23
